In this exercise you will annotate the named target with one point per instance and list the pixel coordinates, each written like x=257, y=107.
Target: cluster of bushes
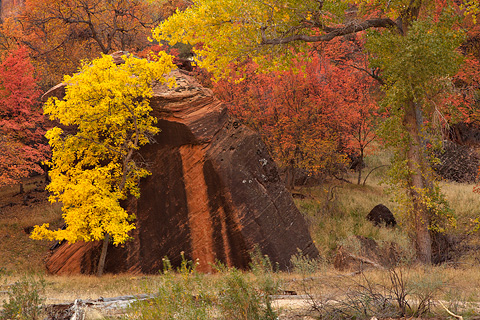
x=231, y=294
x=25, y=299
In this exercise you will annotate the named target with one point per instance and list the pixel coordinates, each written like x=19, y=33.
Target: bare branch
x=372, y=73
x=332, y=33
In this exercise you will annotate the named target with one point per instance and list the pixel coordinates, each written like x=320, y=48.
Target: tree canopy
x=105, y=118
x=272, y=32
x=60, y=34
x=313, y=118
x=22, y=148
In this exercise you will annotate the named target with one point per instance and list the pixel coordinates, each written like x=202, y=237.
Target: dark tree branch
x=371, y=73
x=383, y=165
x=332, y=32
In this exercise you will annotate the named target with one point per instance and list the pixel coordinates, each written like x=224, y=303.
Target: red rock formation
x=214, y=194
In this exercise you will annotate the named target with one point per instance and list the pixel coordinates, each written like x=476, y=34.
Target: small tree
x=94, y=167
x=21, y=132
x=311, y=117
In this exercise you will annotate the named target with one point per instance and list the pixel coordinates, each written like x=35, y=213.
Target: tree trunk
x=290, y=177
x=417, y=184
x=103, y=256
x=360, y=167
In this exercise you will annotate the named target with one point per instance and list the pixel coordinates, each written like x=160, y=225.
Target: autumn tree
x=22, y=148
x=94, y=166
x=413, y=43
x=358, y=86
x=312, y=118
x=62, y=33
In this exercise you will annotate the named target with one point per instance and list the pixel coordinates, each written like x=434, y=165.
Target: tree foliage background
x=413, y=54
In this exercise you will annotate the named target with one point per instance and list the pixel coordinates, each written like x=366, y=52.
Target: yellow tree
x=414, y=46
x=94, y=165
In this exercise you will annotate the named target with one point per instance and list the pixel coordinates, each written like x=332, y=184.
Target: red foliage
x=21, y=132
x=310, y=118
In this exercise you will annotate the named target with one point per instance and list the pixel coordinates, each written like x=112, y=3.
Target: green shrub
x=424, y=287
x=24, y=300
x=241, y=299
x=187, y=294
x=181, y=296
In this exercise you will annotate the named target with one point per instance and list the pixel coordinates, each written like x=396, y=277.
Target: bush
x=241, y=299
x=186, y=294
x=24, y=300
x=181, y=296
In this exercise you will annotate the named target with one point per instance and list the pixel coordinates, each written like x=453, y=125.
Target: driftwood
x=450, y=312
x=80, y=308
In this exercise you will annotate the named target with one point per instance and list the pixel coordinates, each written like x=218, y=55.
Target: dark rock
x=447, y=247
x=457, y=163
x=214, y=194
x=356, y=162
x=465, y=134
x=381, y=215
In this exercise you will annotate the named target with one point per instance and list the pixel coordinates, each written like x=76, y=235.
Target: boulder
x=214, y=194
x=380, y=215
x=465, y=134
x=457, y=162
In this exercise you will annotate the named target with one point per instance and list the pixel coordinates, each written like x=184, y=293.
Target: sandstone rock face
x=214, y=194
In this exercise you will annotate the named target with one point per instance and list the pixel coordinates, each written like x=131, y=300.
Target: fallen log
x=80, y=309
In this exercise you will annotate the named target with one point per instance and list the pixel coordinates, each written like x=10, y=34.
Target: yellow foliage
x=472, y=8
x=226, y=31
x=93, y=168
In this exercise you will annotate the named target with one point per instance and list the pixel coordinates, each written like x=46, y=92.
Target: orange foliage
x=313, y=118
x=62, y=33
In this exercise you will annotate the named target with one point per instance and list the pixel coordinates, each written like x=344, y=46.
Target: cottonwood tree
x=94, y=165
x=22, y=148
x=413, y=43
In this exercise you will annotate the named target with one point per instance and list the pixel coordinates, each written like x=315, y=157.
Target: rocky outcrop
x=214, y=194
x=457, y=162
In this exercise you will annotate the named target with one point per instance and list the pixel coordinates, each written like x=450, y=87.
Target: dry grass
x=456, y=286
x=18, y=213
x=335, y=212
x=464, y=202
